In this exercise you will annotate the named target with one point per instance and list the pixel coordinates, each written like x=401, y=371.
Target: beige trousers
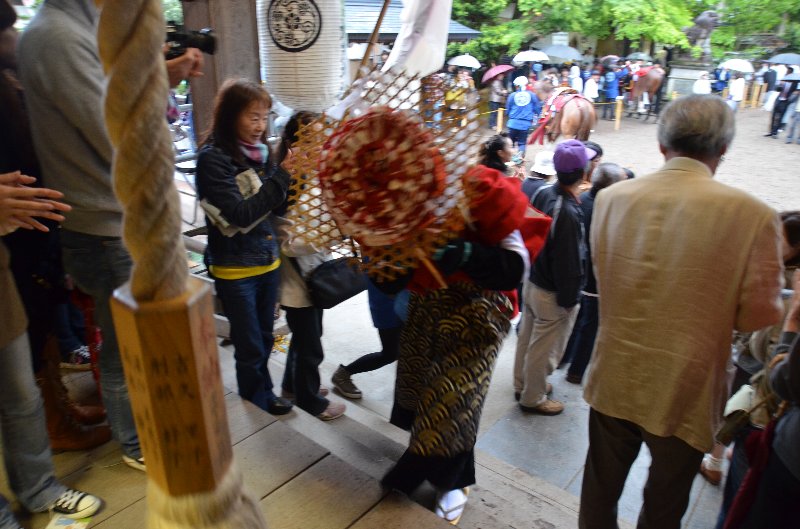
x=543, y=334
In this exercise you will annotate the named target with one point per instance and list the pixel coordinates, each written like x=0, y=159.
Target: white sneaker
x=450, y=505
x=137, y=463
x=76, y=504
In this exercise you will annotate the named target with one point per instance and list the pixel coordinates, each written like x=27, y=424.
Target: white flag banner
x=422, y=41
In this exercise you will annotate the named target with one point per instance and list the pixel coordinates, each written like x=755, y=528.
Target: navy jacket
x=560, y=265
x=216, y=174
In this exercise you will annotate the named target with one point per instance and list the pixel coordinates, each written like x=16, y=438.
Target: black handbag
x=334, y=281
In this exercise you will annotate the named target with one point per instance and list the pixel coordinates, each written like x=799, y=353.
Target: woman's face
x=252, y=123
x=507, y=152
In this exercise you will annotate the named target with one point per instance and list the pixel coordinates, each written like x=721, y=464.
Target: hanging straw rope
x=131, y=37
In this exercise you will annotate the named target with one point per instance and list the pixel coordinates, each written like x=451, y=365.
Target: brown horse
x=573, y=117
x=650, y=84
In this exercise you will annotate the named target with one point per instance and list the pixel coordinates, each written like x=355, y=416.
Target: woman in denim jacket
x=238, y=188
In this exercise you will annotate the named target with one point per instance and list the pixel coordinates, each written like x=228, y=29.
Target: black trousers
x=614, y=444
x=390, y=350
x=305, y=355
x=777, y=114
x=581, y=342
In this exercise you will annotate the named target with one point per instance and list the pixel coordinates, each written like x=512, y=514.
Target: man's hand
x=19, y=205
x=188, y=65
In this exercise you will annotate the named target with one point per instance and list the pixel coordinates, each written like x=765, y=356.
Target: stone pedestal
x=683, y=74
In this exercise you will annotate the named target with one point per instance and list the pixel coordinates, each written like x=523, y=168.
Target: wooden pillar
x=618, y=112
x=500, y=119
x=756, y=97
x=236, y=28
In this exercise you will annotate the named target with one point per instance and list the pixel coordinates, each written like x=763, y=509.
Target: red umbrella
x=494, y=71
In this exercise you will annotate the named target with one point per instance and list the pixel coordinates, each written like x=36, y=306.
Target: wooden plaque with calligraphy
x=175, y=387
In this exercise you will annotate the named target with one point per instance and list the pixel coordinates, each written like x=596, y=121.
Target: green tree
x=173, y=10
x=741, y=19
x=656, y=20
x=475, y=14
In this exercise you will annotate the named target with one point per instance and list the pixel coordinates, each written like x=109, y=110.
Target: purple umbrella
x=494, y=71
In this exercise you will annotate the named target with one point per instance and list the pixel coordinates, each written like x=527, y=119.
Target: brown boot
x=65, y=432
x=87, y=414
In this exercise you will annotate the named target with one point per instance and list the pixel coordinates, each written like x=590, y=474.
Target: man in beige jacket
x=681, y=261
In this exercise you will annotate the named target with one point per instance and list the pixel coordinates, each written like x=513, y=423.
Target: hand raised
x=20, y=205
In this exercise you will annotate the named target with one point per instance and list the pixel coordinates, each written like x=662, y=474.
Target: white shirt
x=736, y=90
x=701, y=87
x=590, y=90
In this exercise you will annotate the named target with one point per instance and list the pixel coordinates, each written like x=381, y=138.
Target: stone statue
x=700, y=33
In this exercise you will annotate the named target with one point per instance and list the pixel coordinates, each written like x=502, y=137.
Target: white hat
x=543, y=163
x=521, y=81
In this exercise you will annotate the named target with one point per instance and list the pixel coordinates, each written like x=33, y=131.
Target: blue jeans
x=249, y=304
x=70, y=330
x=99, y=265
x=518, y=137
x=795, y=117
x=493, y=106
x=608, y=108
x=26, y=446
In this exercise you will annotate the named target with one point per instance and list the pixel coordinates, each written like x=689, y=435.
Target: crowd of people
x=600, y=83
x=625, y=286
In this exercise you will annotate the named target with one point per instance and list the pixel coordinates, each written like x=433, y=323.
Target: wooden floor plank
x=396, y=511
x=329, y=495
x=274, y=456
x=268, y=459
x=244, y=418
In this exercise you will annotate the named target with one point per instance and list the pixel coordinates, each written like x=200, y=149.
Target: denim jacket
x=216, y=173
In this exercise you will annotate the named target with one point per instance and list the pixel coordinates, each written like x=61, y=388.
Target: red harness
x=552, y=107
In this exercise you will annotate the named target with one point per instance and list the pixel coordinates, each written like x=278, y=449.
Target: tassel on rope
x=164, y=321
x=226, y=508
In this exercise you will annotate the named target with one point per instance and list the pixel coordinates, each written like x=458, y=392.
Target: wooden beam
x=235, y=26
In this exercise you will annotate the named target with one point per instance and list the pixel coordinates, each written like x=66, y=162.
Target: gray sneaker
x=344, y=385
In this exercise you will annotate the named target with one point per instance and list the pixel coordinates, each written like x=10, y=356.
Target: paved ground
x=554, y=448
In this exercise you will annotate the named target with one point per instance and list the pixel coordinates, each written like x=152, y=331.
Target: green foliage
x=173, y=10
x=475, y=14
x=550, y=16
x=662, y=21
x=743, y=18
x=657, y=20
x=506, y=38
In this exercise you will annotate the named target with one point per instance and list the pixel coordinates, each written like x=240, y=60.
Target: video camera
x=179, y=38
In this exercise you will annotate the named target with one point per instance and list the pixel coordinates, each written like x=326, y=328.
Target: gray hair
x=606, y=174
x=696, y=126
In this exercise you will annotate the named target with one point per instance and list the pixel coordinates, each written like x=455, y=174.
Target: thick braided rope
x=130, y=38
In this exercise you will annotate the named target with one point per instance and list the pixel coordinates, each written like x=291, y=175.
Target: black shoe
x=279, y=406
x=768, y=134
x=574, y=379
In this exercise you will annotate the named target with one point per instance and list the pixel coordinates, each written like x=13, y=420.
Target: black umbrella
x=785, y=58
